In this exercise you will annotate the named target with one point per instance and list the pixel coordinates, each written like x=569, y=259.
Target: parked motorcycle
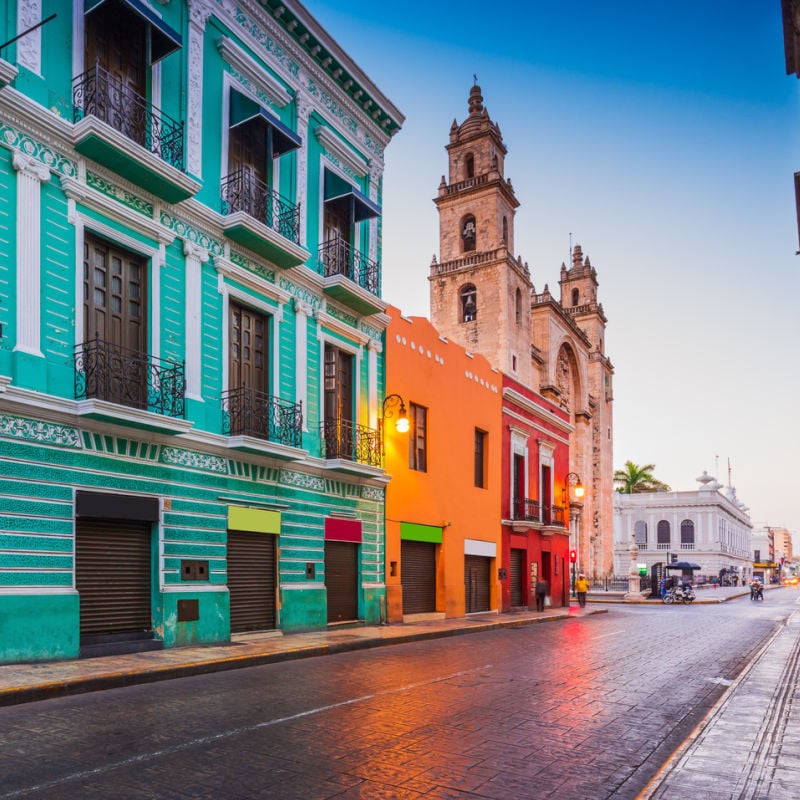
x=679, y=594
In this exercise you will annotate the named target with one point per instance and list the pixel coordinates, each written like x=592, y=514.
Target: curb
x=120, y=679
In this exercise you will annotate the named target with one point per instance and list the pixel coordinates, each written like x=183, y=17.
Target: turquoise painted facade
x=190, y=325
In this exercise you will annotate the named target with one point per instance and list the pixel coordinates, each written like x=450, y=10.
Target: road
x=585, y=708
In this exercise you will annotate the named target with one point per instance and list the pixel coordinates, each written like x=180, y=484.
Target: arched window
x=505, y=230
x=640, y=531
x=518, y=306
x=576, y=295
x=468, y=236
x=469, y=303
x=663, y=535
x=470, y=165
x=687, y=535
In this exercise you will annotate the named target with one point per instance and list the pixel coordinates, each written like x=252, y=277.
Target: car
x=792, y=580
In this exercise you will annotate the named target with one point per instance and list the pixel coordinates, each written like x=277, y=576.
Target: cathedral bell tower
x=480, y=295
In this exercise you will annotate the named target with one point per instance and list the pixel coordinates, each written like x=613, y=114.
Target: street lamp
x=391, y=402
x=573, y=480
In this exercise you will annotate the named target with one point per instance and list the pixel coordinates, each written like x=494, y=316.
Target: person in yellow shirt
x=581, y=587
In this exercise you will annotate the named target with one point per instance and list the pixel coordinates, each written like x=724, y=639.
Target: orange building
x=443, y=526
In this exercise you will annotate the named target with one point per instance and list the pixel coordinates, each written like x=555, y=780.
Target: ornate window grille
x=351, y=442
x=338, y=257
x=248, y=412
x=107, y=371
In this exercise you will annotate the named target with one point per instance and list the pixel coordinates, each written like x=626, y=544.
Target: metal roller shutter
x=113, y=576
x=517, y=560
x=476, y=581
x=418, y=574
x=251, y=581
x=341, y=580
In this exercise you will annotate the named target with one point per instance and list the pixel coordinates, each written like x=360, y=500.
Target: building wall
x=461, y=393
x=62, y=181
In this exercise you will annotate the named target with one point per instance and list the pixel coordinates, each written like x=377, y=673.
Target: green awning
x=414, y=532
x=337, y=189
x=245, y=110
x=163, y=39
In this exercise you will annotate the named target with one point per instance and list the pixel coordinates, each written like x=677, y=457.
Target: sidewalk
x=23, y=683
x=747, y=745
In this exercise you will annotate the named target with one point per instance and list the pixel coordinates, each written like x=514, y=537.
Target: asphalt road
x=586, y=708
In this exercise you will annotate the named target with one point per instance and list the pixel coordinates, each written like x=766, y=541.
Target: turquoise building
x=191, y=327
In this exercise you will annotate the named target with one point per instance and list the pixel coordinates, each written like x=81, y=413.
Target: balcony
x=110, y=379
x=260, y=423
x=121, y=130
x=350, y=276
x=258, y=218
x=351, y=444
x=526, y=510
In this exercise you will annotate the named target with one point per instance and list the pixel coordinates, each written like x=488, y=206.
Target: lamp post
x=573, y=481
x=393, y=404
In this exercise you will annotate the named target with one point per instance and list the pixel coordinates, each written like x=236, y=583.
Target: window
x=687, y=535
x=640, y=531
x=418, y=438
x=469, y=303
x=480, y=459
x=468, y=234
x=518, y=306
x=470, y=165
x=505, y=230
x=575, y=297
x=757, y=556
x=663, y=535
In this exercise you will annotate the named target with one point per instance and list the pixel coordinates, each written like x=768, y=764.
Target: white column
x=303, y=113
x=29, y=47
x=199, y=13
x=195, y=258
x=303, y=312
x=374, y=348
x=30, y=176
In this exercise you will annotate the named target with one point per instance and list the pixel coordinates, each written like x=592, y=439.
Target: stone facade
x=482, y=296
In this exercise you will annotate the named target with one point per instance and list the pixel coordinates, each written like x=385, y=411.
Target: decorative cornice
x=513, y=396
x=333, y=144
x=332, y=324
x=242, y=275
x=253, y=72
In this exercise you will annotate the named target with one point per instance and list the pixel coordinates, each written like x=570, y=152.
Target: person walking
x=581, y=587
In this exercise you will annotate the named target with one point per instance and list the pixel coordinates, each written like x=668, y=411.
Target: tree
x=635, y=479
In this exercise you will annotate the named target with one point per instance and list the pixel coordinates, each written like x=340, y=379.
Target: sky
x=663, y=139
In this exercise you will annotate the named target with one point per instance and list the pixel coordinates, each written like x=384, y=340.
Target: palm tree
x=635, y=479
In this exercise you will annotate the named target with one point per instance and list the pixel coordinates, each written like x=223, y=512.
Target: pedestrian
x=542, y=588
x=663, y=587
x=581, y=587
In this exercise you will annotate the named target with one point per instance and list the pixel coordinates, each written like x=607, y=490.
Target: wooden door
x=338, y=384
x=249, y=357
x=247, y=162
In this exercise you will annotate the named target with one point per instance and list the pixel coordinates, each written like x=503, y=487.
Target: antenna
x=716, y=466
x=569, y=260
x=729, y=471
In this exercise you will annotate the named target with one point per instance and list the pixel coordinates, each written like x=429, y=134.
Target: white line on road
x=603, y=635
x=227, y=734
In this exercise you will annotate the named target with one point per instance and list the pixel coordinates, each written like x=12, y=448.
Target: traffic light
x=573, y=556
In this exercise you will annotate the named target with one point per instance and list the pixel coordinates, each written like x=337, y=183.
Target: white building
x=704, y=526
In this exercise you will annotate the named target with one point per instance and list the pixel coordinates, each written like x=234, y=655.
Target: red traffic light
x=573, y=556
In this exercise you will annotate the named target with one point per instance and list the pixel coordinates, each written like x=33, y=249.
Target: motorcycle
x=679, y=594
x=756, y=592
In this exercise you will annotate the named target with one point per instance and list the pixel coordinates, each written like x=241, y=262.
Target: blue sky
x=664, y=137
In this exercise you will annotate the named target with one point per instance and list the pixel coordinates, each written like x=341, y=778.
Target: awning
x=338, y=190
x=163, y=39
x=244, y=110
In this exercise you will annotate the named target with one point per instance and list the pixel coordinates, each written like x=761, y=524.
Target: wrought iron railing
x=107, y=371
x=337, y=257
x=248, y=412
x=243, y=191
x=534, y=511
x=98, y=93
x=346, y=440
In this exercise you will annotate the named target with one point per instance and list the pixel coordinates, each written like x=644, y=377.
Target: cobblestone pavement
x=748, y=747
x=588, y=709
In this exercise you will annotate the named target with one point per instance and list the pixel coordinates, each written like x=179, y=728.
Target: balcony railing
x=663, y=546
x=107, y=371
x=687, y=545
x=534, y=511
x=243, y=191
x=247, y=412
x=346, y=440
x=98, y=93
x=337, y=257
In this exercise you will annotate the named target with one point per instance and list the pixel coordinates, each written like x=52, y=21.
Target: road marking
x=202, y=740
x=603, y=635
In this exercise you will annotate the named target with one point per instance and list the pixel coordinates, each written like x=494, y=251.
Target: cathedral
x=482, y=297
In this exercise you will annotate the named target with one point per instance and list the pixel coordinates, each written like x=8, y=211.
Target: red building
x=539, y=506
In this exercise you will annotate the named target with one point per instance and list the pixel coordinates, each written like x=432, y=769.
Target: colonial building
x=191, y=357
x=482, y=296
x=704, y=527
x=443, y=527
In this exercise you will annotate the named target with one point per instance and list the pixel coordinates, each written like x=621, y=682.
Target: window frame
x=418, y=437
